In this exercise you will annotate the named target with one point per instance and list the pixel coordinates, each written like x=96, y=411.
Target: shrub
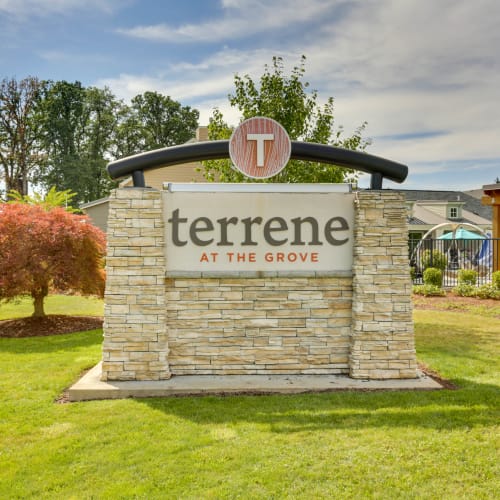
x=428, y=290
x=467, y=276
x=488, y=291
x=495, y=280
x=433, y=276
x=465, y=290
x=435, y=259
x=52, y=199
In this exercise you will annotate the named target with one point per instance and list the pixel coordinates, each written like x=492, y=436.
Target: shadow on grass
x=472, y=405
x=52, y=343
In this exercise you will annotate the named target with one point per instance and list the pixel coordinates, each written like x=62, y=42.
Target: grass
x=338, y=445
x=54, y=304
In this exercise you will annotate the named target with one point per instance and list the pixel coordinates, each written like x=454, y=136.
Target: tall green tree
x=62, y=134
x=152, y=121
x=102, y=119
x=20, y=147
x=64, y=124
x=163, y=121
x=286, y=99
x=78, y=125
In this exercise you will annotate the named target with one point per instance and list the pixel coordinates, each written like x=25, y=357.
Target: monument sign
x=256, y=278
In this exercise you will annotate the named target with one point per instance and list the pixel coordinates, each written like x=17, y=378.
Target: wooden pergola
x=491, y=197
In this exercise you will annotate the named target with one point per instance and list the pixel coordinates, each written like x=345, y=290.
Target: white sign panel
x=258, y=231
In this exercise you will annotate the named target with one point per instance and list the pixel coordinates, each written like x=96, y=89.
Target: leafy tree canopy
x=286, y=99
x=164, y=122
x=77, y=128
x=153, y=121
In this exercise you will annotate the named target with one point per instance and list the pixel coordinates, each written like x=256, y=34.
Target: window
x=453, y=212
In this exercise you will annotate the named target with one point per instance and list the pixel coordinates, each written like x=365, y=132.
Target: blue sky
x=424, y=74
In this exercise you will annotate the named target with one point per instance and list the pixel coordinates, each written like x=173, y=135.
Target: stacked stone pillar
x=135, y=344
x=382, y=338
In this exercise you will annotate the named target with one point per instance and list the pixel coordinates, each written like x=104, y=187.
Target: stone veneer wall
x=382, y=343
x=155, y=326
x=223, y=326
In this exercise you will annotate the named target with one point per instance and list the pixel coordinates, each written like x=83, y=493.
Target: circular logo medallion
x=260, y=148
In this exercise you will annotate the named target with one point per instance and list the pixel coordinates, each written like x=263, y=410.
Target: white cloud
x=413, y=67
x=241, y=19
x=441, y=44
x=126, y=86
x=212, y=78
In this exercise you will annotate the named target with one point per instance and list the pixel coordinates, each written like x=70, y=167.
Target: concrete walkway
x=91, y=387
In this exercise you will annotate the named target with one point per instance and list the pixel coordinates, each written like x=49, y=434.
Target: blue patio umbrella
x=462, y=234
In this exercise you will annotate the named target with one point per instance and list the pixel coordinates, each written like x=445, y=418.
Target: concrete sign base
x=91, y=387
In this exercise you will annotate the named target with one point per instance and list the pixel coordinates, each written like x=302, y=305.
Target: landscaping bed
x=55, y=324
x=64, y=314
x=454, y=302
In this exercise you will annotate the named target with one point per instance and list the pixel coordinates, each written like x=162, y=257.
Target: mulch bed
x=54, y=324
x=452, y=302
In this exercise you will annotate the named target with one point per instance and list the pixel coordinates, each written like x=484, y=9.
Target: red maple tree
x=41, y=249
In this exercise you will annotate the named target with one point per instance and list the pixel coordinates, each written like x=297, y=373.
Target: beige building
x=427, y=209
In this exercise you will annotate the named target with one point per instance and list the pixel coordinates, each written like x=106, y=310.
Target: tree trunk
x=38, y=305
x=15, y=184
x=38, y=298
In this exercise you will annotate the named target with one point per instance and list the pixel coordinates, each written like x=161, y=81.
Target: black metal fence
x=482, y=255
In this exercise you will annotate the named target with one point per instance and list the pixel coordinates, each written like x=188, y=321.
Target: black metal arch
x=379, y=168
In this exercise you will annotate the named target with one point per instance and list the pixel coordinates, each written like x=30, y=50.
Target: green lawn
x=441, y=444
x=54, y=304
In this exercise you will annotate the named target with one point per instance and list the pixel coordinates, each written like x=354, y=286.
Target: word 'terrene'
x=276, y=231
